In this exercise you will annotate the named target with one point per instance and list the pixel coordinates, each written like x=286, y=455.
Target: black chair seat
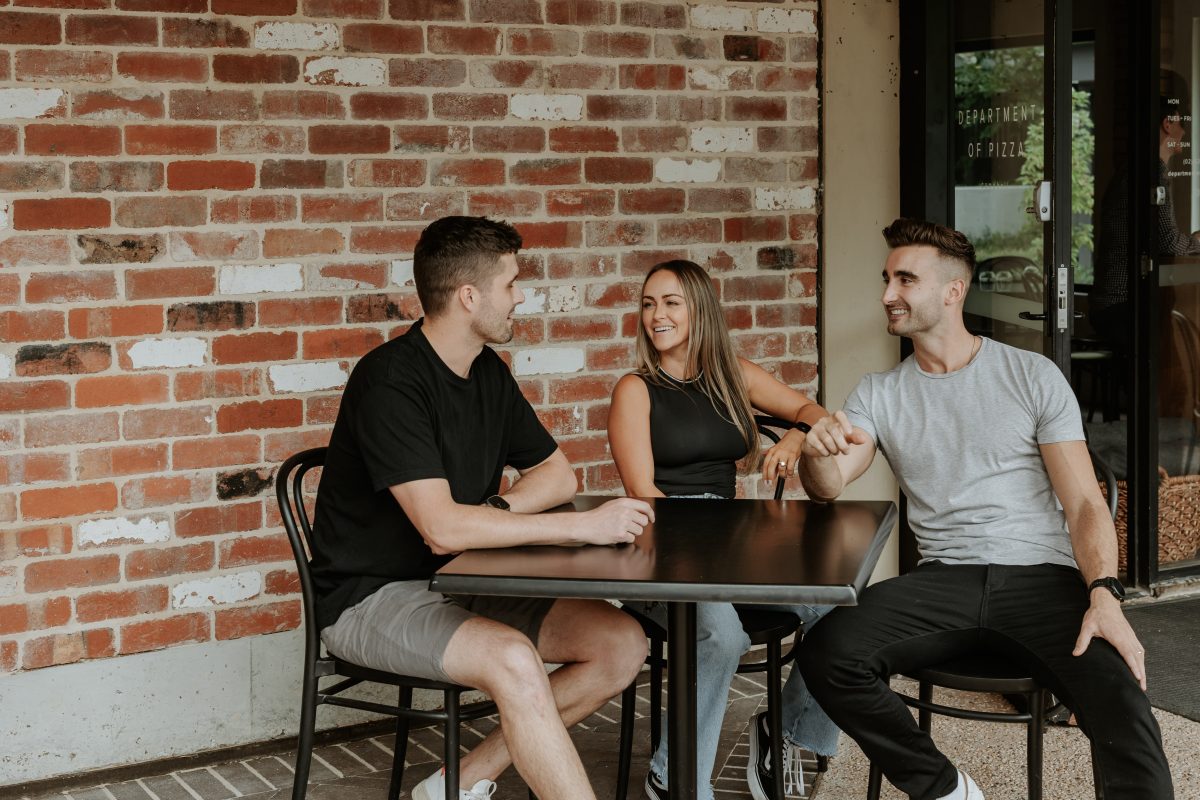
x=979, y=674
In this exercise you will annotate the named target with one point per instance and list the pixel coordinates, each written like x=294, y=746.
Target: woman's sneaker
x=759, y=769
x=654, y=789
x=434, y=788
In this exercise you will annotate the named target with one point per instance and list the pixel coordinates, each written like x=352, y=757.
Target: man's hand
x=1104, y=620
x=831, y=436
x=616, y=521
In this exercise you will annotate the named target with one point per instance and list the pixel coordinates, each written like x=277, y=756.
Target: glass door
x=1172, y=251
x=1007, y=151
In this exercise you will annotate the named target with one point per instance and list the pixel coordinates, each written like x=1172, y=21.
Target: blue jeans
x=720, y=643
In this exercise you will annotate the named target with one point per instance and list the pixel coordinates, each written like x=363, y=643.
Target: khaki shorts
x=405, y=628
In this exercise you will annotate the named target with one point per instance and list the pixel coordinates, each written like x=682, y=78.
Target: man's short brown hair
x=456, y=251
x=949, y=243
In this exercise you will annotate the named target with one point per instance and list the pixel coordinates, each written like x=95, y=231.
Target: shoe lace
x=793, y=771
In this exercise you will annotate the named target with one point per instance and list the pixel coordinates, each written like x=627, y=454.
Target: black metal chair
x=289, y=490
x=992, y=674
x=763, y=626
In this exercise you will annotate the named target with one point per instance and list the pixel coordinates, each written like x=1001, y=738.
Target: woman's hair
x=710, y=354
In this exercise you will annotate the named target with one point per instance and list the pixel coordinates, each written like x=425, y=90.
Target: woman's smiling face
x=665, y=312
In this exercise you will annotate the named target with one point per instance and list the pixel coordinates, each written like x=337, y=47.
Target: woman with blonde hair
x=677, y=426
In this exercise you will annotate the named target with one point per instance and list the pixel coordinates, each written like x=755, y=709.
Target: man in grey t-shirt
x=1018, y=551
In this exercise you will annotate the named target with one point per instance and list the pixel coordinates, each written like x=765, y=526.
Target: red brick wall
x=206, y=211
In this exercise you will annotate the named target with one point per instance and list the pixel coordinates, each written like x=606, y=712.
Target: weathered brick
x=302, y=312
x=159, y=212
x=347, y=343
x=387, y=172
x=31, y=176
x=26, y=326
x=382, y=307
x=70, y=287
x=120, y=390
x=248, y=550
x=300, y=174
x=99, y=606
x=195, y=175
x=370, y=9
x=143, y=140
x=541, y=42
x=151, y=67
x=25, y=468
x=105, y=462
x=34, y=616
x=116, y=176
x=157, y=423
x=244, y=483
x=169, y=282
x=467, y=172
x=37, y=542
x=254, y=415
x=580, y=202
x=616, y=45
x=215, y=520
x=155, y=634
x=234, y=623
x=65, y=573
x=220, y=451
x=29, y=28
x=233, y=104
x=73, y=429
x=65, y=213
x=217, y=383
x=36, y=360
x=216, y=316
x=409, y=206
x=207, y=33
x=63, y=66
x=162, y=562
x=256, y=209
x=254, y=347
x=382, y=38
x=255, y=8
x=444, y=72
x=111, y=29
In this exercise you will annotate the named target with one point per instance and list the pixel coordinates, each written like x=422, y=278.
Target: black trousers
x=1030, y=614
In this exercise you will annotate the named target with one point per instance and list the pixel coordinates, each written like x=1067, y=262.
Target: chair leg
x=656, y=672
x=304, y=742
x=1033, y=748
x=924, y=717
x=775, y=714
x=400, y=748
x=874, y=783
x=451, y=705
x=628, y=700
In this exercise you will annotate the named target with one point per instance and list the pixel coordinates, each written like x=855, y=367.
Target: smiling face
x=665, y=316
x=918, y=290
x=493, y=320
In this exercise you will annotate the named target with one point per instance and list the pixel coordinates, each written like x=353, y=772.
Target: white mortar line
x=186, y=788
x=355, y=756
x=146, y=789
x=328, y=766
x=286, y=764
x=105, y=789
x=258, y=775
x=227, y=784
x=383, y=747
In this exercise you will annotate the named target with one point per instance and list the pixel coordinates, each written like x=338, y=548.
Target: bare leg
x=601, y=650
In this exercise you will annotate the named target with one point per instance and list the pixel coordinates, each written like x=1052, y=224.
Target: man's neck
x=453, y=342
x=948, y=351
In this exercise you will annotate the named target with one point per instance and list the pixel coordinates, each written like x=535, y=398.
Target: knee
x=724, y=643
x=621, y=646
x=513, y=665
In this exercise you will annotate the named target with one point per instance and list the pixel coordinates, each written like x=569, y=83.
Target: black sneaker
x=758, y=767
x=654, y=789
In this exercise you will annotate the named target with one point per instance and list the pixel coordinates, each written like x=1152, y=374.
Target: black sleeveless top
x=694, y=447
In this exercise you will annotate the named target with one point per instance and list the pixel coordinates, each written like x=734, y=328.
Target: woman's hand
x=779, y=463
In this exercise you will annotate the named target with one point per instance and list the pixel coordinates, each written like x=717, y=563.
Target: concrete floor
x=993, y=754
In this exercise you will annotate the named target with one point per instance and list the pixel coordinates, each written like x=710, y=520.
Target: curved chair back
x=767, y=426
x=1105, y=473
x=289, y=491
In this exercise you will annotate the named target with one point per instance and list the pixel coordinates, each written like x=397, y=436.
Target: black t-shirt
x=695, y=447
x=406, y=416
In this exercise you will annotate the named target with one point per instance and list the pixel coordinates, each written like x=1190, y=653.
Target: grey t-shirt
x=964, y=446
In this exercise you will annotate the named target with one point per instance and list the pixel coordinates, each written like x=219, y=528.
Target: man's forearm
x=1094, y=542
x=821, y=477
x=545, y=486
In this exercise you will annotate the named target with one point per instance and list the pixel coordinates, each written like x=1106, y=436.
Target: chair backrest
x=289, y=492
x=768, y=427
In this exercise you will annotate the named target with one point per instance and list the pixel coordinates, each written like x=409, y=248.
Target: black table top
x=746, y=551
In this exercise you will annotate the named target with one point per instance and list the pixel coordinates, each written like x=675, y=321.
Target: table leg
x=681, y=700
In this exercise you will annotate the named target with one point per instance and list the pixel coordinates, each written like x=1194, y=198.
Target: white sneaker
x=966, y=789
x=434, y=788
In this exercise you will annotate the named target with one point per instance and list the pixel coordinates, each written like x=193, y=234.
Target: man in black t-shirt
x=427, y=424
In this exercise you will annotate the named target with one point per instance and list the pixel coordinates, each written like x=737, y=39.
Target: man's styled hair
x=949, y=243
x=455, y=251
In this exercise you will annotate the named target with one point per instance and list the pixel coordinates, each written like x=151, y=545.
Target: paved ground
x=993, y=754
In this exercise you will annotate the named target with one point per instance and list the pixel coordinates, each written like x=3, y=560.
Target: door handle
x=1031, y=315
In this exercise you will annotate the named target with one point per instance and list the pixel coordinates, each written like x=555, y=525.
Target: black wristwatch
x=1111, y=584
x=496, y=501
